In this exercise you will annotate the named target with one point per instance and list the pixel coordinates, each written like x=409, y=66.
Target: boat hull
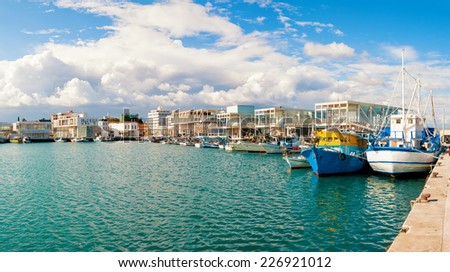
x=206, y=145
x=396, y=161
x=272, y=148
x=245, y=147
x=297, y=162
x=329, y=161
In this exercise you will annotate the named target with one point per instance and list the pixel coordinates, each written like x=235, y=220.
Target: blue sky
x=101, y=56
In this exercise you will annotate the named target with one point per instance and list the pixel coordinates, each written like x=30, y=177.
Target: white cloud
x=333, y=50
x=49, y=31
x=315, y=24
x=171, y=88
x=157, y=55
x=261, y=3
x=395, y=52
x=318, y=27
x=75, y=92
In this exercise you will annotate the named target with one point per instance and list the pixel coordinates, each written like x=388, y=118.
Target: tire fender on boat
x=341, y=156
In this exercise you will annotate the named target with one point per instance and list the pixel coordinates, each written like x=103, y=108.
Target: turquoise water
x=152, y=197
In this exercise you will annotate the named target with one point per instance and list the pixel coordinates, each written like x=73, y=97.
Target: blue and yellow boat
x=336, y=152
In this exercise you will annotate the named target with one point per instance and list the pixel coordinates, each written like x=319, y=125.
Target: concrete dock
x=427, y=227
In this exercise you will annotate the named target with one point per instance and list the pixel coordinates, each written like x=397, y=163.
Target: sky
x=102, y=56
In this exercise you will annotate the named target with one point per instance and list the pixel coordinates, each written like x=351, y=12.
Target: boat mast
x=403, y=94
x=433, y=114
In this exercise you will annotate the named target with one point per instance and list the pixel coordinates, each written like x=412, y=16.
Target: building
x=35, y=131
x=282, y=122
x=73, y=125
x=6, y=129
x=236, y=122
x=125, y=130
x=191, y=123
x=352, y=115
x=103, y=129
x=157, y=122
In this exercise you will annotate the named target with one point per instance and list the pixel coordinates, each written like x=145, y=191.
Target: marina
x=141, y=196
x=427, y=227
x=338, y=178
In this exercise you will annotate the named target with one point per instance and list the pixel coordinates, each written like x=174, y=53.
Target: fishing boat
x=18, y=139
x=79, y=140
x=336, y=152
x=296, y=161
x=272, y=148
x=245, y=146
x=206, y=144
x=410, y=146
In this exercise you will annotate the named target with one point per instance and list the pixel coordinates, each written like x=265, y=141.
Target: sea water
x=146, y=197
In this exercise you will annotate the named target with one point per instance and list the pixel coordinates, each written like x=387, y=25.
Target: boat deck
x=427, y=227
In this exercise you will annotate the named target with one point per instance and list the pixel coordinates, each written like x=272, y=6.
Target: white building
x=36, y=131
x=125, y=130
x=352, y=115
x=157, y=121
x=279, y=121
x=236, y=122
x=73, y=125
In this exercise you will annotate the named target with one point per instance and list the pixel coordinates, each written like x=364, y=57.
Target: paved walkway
x=427, y=227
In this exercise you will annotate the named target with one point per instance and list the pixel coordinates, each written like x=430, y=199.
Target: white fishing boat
x=272, y=148
x=79, y=140
x=296, y=161
x=205, y=144
x=410, y=146
x=245, y=146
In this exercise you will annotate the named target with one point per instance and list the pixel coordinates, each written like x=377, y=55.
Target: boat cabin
x=336, y=138
x=406, y=131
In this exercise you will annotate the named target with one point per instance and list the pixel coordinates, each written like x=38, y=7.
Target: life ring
x=341, y=156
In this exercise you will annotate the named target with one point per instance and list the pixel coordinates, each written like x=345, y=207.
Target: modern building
x=125, y=130
x=5, y=129
x=282, y=122
x=73, y=125
x=35, y=131
x=351, y=115
x=235, y=122
x=103, y=130
x=157, y=122
x=191, y=123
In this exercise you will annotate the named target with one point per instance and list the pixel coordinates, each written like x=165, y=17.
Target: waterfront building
x=125, y=130
x=172, y=127
x=126, y=116
x=157, y=122
x=351, y=115
x=103, y=128
x=192, y=123
x=35, y=131
x=6, y=129
x=73, y=125
x=282, y=122
x=144, y=131
x=235, y=122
